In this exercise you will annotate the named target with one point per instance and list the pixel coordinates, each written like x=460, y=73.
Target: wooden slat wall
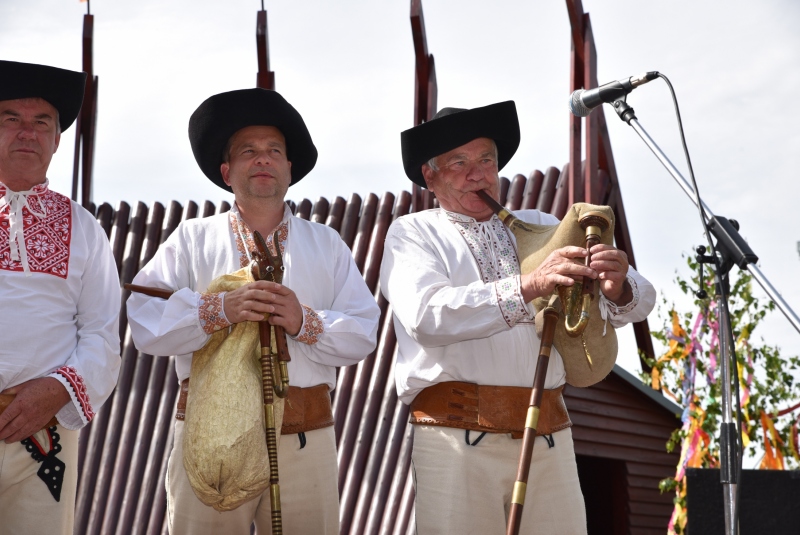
x=124, y=451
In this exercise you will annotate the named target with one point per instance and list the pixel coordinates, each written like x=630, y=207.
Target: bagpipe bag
x=224, y=442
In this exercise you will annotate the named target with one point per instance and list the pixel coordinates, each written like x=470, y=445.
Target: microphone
x=582, y=101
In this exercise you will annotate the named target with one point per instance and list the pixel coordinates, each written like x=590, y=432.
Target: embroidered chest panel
x=491, y=246
x=244, y=238
x=47, y=239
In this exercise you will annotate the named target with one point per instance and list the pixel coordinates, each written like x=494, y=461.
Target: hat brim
x=497, y=122
x=221, y=116
x=63, y=89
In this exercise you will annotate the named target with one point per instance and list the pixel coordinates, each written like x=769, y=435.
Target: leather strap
x=305, y=409
x=5, y=401
x=491, y=409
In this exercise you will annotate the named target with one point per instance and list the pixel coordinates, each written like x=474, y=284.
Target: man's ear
x=428, y=175
x=58, y=140
x=224, y=170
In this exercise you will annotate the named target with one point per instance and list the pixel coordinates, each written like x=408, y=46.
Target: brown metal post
x=425, y=92
x=83, y=163
x=265, y=78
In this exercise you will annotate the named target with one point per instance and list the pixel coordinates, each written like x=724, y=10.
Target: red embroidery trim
x=78, y=386
x=47, y=240
x=312, y=327
x=240, y=229
x=211, y=312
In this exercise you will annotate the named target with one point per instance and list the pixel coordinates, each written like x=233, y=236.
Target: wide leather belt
x=493, y=409
x=305, y=409
x=5, y=401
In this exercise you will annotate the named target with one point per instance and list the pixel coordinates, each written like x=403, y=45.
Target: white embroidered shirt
x=454, y=287
x=59, y=291
x=340, y=314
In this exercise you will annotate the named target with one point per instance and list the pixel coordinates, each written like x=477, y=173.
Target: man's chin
x=478, y=209
x=265, y=192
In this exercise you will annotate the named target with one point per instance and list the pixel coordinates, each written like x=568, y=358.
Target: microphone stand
x=730, y=249
x=627, y=114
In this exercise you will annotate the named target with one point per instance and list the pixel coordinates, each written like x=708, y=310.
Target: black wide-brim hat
x=452, y=127
x=63, y=89
x=221, y=116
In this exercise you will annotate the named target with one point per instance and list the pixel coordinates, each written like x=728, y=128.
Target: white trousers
x=463, y=489
x=309, y=493
x=26, y=505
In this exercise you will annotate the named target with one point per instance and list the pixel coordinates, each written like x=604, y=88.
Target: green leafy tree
x=688, y=372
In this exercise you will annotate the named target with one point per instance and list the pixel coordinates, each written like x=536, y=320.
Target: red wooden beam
x=265, y=78
x=425, y=91
x=576, y=82
x=591, y=138
x=597, y=145
x=422, y=64
x=575, y=12
x=85, y=128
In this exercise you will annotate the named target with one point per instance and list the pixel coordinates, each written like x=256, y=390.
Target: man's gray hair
x=434, y=167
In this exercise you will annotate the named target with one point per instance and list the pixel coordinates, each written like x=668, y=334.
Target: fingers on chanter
x=606, y=265
x=602, y=247
x=572, y=251
x=577, y=270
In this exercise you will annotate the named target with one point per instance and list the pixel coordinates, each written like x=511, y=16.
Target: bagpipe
x=587, y=348
x=234, y=409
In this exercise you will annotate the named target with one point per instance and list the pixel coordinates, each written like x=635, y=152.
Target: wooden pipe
x=152, y=291
x=531, y=421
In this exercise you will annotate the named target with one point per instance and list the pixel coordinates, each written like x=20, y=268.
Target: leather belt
x=492, y=409
x=5, y=401
x=305, y=409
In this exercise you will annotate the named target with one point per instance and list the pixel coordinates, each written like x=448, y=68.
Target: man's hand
x=558, y=268
x=611, y=265
x=251, y=301
x=37, y=401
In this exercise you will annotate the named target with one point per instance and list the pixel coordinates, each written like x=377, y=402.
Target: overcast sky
x=348, y=67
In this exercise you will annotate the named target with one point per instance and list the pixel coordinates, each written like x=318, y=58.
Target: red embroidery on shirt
x=47, y=240
x=240, y=229
x=78, y=386
x=210, y=310
x=312, y=327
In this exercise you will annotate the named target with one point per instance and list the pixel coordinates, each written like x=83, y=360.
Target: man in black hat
x=59, y=356
x=254, y=143
x=467, y=338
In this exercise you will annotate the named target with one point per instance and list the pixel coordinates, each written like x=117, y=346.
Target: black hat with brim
x=452, y=127
x=63, y=89
x=221, y=116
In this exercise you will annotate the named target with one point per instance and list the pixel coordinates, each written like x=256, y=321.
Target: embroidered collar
x=455, y=217
x=490, y=244
x=16, y=201
x=244, y=236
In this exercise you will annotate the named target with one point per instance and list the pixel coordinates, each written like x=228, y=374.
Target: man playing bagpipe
x=467, y=334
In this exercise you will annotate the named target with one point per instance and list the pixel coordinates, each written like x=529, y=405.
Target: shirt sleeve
x=346, y=331
x=181, y=324
x=430, y=308
x=311, y=328
x=91, y=371
x=642, y=303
